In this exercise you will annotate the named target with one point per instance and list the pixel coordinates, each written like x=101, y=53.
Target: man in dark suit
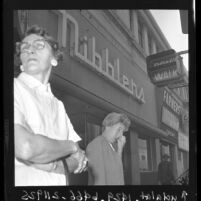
x=165, y=172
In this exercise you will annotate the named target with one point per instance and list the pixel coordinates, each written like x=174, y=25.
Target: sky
x=170, y=24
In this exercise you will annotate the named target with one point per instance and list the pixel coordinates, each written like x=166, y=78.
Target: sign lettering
x=85, y=52
x=165, y=75
x=172, y=103
x=169, y=61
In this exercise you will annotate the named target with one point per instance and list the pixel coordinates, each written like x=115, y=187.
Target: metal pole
x=181, y=52
x=179, y=85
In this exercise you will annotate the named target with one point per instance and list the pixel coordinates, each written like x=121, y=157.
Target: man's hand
x=120, y=144
x=121, y=141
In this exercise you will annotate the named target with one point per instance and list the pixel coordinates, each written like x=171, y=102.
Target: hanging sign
x=166, y=68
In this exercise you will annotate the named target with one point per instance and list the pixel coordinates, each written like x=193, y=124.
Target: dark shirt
x=105, y=164
x=165, y=173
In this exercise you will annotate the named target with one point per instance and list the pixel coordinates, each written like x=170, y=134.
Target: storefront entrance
x=147, y=160
x=167, y=148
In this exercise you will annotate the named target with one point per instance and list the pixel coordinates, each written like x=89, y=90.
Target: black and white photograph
x=100, y=98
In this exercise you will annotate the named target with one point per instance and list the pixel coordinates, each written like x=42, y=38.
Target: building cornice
x=101, y=29
x=150, y=22
x=127, y=32
x=118, y=22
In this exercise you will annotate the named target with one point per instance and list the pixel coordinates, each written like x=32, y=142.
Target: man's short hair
x=114, y=118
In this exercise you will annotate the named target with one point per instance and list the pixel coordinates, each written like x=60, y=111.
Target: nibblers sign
x=98, y=62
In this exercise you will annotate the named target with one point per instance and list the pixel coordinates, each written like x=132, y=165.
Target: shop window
x=145, y=157
x=92, y=130
x=87, y=126
x=179, y=155
x=182, y=156
x=126, y=159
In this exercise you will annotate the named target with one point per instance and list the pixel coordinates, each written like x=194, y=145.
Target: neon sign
x=84, y=50
x=165, y=68
x=165, y=75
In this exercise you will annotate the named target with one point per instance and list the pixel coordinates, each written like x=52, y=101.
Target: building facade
x=104, y=70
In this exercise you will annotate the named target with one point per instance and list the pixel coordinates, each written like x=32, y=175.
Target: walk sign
x=166, y=68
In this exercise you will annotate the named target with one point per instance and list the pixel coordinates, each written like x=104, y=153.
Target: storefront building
x=104, y=70
x=183, y=134
x=171, y=111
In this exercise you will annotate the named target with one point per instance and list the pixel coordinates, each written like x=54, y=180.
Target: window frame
x=140, y=34
x=150, y=162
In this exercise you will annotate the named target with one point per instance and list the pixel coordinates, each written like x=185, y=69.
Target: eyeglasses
x=38, y=44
